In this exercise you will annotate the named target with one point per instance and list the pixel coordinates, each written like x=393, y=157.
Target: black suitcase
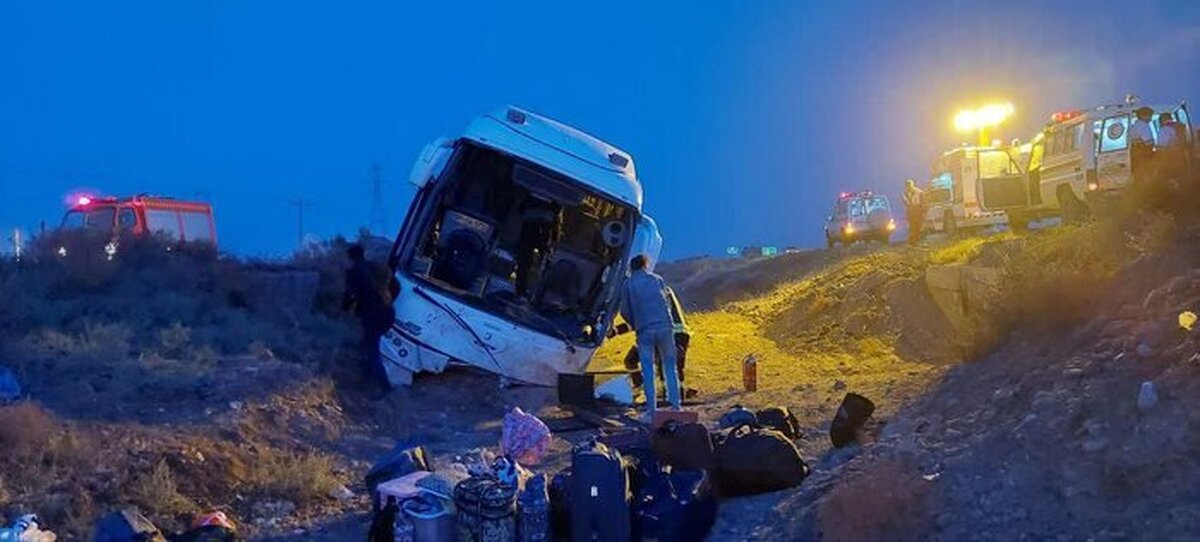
x=752, y=460
x=853, y=413
x=675, y=506
x=599, y=495
x=684, y=446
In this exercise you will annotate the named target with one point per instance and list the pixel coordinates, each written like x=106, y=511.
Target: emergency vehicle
x=859, y=216
x=1083, y=155
x=954, y=197
x=462, y=255
x=185, y=221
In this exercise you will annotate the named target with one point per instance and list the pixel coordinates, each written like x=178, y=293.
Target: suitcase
x=599, y=495
x=634, y=444
x=397, y=463
x=675, y=506
x=686, y=446
x=752, y=460
x=853, y=413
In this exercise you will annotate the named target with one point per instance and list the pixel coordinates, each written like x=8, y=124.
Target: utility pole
x=378, y=214
x=300, y=204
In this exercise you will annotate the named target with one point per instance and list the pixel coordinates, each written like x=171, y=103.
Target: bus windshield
x=99, y=218
x=522, y=241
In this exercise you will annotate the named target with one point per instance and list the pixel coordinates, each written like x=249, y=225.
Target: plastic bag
x=525, y=438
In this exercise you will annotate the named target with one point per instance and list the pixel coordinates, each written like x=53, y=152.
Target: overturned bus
x=514, y=251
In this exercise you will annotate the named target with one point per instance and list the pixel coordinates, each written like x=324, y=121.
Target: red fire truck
x=190, y=221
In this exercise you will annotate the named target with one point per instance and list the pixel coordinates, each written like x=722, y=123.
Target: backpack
x=738, y=415
x=383, y=525
x=853, y=413
x=752, y=460
x=675, y=505
x=399, y=462
x=599, y=495
x=780, y=419
x=128, y=525
x=684, y=446
x=533, y=510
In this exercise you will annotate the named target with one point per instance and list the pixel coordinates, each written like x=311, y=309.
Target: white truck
x=962, y=178
x=515, y=250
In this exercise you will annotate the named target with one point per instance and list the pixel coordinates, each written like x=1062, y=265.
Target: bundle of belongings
x=624, y=484
x=129, y=525
x=26, y=528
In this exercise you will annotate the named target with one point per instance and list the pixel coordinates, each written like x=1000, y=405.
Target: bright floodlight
x=971, y=120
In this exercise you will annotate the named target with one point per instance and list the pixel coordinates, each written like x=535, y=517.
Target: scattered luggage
x=430, y=519
x=599, y=495
x=780, y=419
x=684, y=446
x=636, y=450
x=533, y=511
x=486, y=510
x=384, y=527
x=524, y=437
x=675, y=505
x=399, y=462
x=27, y=528
x=853, y=413
x=10, y=387
x=560, y=505
x=128, y=525
x=212, y=526
x=738, y=415
x=751, y=460
x=661, y=417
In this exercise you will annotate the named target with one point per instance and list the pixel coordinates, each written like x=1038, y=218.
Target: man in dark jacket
x=367, y=293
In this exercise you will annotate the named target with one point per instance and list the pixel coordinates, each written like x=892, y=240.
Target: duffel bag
x=675, y=505
x=684, y=446
x=780, y=419
x=751, y=460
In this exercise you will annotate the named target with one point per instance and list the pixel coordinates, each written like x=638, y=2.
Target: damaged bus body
x=514, y=252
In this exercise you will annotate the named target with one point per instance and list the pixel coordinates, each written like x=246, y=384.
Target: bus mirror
x=430, y=162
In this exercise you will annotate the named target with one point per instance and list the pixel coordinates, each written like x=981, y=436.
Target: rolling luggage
x=684, y=446
x=853, y=413
x=780, y=419
x=675, y=505
x=751, y=460
x=533, y=511
x=399, y=462
x=486, y=510
x=599, y=495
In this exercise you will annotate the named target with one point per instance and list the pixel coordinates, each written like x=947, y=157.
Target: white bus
x=515, y=250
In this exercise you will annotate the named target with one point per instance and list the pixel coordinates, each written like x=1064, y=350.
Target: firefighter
x=368, y=293
x=915, y=209
x=646, y=307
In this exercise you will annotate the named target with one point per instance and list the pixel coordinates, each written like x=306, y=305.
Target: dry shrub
x=38, y=448
x=300, y=477
x=25, y=428
x=886, y=501
x=173, y=339
x=156, y=491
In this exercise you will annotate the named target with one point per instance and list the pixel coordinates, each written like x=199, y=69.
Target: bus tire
x=949, y=224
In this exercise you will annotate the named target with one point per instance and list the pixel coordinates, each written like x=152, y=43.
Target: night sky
x=745, y=118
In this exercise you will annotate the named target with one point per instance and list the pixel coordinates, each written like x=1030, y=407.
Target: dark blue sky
x=744, y=117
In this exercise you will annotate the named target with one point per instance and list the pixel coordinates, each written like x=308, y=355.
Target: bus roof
x=562, y=148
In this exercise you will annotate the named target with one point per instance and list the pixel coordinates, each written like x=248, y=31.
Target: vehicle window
x=1077, y=141
x=1052, y=146
x=996, y=163
x=1181, y=115
x=74, y=219
x=196, y=226
x=99, y=219
x=127, y=219
x=164, y=221
x=1114, y=136
x=857, y=207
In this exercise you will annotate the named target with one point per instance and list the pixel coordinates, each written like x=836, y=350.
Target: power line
x=300, y=204
x=378, y=213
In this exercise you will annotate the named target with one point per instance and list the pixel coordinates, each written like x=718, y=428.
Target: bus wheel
x=949, y=224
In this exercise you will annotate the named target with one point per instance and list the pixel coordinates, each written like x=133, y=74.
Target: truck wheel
x=1074, y=211
x=1018, y=223
x=949, y=224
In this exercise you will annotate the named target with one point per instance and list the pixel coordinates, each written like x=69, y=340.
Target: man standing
x=647, y=309
x=914, y=209
x=1141, y=145
x=367, y=292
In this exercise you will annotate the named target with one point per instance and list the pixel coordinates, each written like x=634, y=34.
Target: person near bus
x=1171, y=148
x=647, y=309
x=915, y=209
x=1141, y=145
x=368, y=294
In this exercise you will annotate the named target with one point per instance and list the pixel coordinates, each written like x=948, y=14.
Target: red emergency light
x=1062, y=116
x=83, y=200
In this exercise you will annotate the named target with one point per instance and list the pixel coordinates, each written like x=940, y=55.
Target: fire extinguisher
x=750, y=373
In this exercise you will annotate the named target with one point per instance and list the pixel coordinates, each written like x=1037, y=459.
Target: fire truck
x=184, y=221
x=515, y=250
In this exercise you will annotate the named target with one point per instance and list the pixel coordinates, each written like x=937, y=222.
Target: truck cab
x=972, y=187
x=184, y=221
x=514, y=252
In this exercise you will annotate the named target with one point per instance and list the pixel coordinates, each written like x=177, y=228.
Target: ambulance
x=1081, y=156
x=514, y=253
x=962, y=179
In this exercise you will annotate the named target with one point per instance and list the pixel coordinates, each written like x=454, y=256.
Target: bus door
x=1112, y=152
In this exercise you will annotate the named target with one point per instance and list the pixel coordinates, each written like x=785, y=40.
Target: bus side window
x=1115, y=136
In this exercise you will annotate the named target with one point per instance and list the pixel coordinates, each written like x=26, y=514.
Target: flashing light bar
x=1062, y=116
x=83, y=200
